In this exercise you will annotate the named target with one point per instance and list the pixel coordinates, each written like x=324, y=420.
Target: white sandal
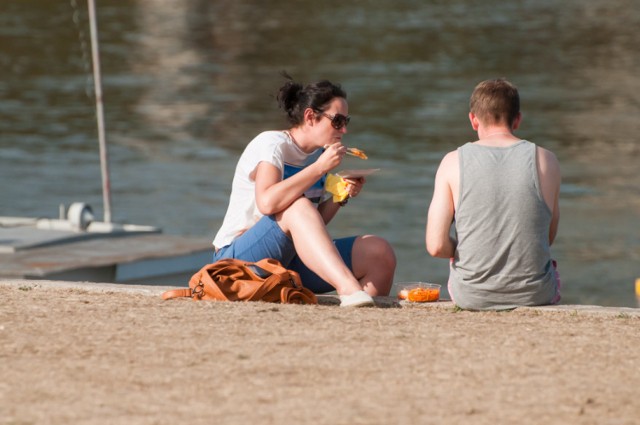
x=357, y=299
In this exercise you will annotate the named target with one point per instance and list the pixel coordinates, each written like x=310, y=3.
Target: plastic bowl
x=419, y=292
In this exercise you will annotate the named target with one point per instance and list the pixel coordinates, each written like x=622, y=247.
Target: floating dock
x=58, y=250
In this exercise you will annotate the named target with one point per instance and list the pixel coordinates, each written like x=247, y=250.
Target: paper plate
x=355, y=174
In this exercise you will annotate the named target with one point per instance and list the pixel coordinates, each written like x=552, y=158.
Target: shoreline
x=93, y=353
x=381, y=302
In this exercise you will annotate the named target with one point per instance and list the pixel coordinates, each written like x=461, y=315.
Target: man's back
x=502, y=256
x=503, y=194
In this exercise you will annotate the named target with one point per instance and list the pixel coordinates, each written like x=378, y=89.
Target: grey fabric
x=502, y=258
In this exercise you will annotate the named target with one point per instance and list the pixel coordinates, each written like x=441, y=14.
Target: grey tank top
x=502, y=258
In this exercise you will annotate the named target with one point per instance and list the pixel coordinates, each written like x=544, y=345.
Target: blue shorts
x=267, y=240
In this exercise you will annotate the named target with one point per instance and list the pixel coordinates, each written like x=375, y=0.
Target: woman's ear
x=309, y=116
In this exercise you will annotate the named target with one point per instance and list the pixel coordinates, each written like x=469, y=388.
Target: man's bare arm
x=441, y=211
x=550, y=179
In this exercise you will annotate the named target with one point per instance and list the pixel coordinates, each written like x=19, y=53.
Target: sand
x=82, y=353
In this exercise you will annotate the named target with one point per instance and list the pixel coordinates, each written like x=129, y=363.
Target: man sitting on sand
x=501, y=193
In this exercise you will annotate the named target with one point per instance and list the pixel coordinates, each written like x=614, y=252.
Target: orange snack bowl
x=419, y=292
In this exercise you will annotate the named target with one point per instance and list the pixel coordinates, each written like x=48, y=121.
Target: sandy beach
x=83, y=353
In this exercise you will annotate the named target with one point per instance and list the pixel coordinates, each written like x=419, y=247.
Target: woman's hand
x=331, y=157
x=355, y=186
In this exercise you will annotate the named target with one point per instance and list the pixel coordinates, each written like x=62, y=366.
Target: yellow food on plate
x=337, y=186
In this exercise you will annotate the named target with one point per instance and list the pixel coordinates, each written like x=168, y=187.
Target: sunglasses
x=338, y=120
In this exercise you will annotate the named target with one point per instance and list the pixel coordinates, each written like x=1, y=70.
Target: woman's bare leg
x=314, y=246
x=374, y=264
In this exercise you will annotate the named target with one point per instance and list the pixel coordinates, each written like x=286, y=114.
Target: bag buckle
x=198, y=291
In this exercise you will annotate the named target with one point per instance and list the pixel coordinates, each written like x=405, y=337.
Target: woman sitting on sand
x=278, y=207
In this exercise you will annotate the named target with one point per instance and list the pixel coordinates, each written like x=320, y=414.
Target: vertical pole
x=104, y=165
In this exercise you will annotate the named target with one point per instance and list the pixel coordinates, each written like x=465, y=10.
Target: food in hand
x=357, y=152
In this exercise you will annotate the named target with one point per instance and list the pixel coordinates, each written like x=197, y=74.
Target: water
x=187, y=83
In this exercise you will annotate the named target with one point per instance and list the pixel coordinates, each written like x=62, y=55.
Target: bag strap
x=267, y=285
x=270, y=265
x=297, y=296
x=274, y=267
x=177, y=293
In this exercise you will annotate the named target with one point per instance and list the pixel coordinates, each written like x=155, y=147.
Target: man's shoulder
x=546, y=153
x=449, y=167
x=450, y=159
x=548, y=165
x=547, y=157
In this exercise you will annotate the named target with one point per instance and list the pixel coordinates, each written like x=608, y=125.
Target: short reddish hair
x=495, y=102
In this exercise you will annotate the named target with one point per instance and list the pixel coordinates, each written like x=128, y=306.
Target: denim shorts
x=267, y=240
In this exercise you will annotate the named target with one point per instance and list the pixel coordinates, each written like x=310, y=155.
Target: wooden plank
x=99, y=252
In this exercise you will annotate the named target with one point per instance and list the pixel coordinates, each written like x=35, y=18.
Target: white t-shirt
x=274, y=147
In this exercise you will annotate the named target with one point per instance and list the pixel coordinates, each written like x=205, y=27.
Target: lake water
x=187, y=83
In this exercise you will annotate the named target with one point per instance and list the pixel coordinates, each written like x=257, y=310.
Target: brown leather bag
x=236, y=280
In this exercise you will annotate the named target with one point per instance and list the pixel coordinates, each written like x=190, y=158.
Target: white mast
x=104, y=165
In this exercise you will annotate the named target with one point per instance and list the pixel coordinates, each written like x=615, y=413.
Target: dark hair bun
x=294, y=98
x=289, y=96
